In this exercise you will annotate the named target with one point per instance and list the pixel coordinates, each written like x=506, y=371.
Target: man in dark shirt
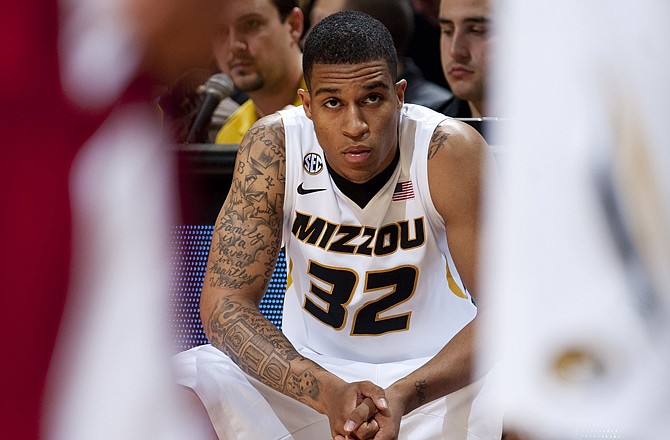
x=464, y=47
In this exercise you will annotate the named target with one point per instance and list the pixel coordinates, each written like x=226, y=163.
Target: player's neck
x=362, y=193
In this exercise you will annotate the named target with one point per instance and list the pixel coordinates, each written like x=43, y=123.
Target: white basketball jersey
x=374, y=284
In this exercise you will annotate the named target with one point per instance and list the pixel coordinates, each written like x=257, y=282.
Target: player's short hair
x=348, y=37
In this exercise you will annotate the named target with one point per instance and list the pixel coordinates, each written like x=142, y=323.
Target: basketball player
x=376, y=204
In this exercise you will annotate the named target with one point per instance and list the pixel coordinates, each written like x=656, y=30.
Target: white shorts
x=241, y=407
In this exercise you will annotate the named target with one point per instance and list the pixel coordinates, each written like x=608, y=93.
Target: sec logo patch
x=313, y=163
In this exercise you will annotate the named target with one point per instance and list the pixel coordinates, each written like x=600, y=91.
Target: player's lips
x=357, y=153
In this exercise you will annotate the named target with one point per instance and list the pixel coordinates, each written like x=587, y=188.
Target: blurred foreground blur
x=578, y=247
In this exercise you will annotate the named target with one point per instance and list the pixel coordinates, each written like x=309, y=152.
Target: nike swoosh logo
x=304, y=191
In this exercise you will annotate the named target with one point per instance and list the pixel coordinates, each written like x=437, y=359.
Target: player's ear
x=306, y=102
x=400, y=87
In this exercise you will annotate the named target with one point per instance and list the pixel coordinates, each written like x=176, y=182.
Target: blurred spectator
x=425, y=42
x=257, y=44
x=464, y=48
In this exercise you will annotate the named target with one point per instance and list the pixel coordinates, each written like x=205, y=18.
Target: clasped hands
x=363, y=410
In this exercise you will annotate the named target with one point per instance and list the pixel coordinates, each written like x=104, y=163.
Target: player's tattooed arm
x=243, y=253
x=457, y=154
x=247, y=234
x=420, y=386
x=262, y=351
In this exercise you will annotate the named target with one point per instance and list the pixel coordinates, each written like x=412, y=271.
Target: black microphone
x=217, y=87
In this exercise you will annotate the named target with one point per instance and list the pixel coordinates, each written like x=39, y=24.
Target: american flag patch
x=403, y=191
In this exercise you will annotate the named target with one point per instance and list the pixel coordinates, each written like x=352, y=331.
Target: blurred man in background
x=257, y=45
x=464, y=47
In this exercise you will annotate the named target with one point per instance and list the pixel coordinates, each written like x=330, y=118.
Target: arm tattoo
x=420, y=386
x=437, y=142
x=261, y=350
x=246, y=241
x=249, y=228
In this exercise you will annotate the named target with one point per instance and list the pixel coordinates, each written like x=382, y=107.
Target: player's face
x=355, y=109
x=252, y=43
x=464, y=46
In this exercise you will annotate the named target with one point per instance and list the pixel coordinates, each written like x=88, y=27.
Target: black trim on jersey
x=362, y=193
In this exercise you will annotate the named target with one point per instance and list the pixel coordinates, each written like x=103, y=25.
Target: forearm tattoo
x=246, y=241
x=420, y=386
x=437, y=142
x=261, y=350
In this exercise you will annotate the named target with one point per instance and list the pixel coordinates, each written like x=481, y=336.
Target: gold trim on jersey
x=453, y=285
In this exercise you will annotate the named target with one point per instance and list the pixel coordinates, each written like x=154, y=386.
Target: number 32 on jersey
x=329, y=305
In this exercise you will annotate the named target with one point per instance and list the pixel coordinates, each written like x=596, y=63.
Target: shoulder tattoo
x=437, y=142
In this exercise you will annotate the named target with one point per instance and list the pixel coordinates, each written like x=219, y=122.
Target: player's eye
x=373, y=99
x=331, y=103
